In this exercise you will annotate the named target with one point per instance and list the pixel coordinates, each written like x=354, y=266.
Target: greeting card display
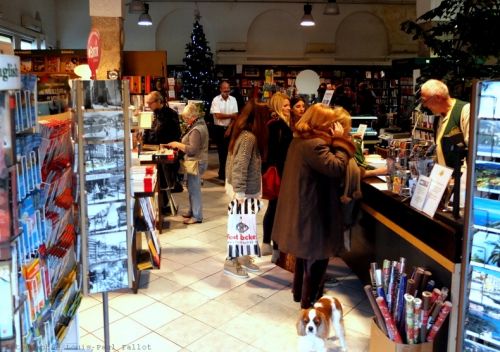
x=482, y=323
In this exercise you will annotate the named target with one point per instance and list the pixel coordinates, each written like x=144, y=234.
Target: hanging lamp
x=307, y=19
x=332, y=8
x=136, y=6
x=145, y=18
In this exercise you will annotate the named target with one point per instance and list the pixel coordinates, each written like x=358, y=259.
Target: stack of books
x=143, y=178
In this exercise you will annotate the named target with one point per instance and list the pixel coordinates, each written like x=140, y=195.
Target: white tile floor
x=191, y=305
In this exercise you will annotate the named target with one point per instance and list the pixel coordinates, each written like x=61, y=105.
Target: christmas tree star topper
x=197, y=15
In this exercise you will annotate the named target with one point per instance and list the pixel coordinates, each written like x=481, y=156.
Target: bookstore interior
x=80, y=208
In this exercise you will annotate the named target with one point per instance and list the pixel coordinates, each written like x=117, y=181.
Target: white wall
x=272, y=29
x=13, y=9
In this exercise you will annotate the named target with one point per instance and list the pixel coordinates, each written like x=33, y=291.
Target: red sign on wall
x=94, y=51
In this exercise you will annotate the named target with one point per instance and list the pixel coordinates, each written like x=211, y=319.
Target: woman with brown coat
x=308, y=221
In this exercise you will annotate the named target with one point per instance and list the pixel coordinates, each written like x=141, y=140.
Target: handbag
x=271, y=183
x=189, y=166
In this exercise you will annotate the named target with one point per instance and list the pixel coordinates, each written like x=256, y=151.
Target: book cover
x=26, y=64
x=53, y=64
x=38, y=64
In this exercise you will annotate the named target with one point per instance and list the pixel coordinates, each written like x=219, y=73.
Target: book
x=53, y=64
x=155, y=255
x=38, y=64
x=26, y=64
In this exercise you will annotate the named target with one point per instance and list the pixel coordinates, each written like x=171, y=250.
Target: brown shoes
x=191, y=221
x=186, y=215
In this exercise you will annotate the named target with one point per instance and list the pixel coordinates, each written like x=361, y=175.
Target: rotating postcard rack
x=479, y=307
x=103, y=178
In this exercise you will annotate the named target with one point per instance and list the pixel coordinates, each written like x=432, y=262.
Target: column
x=107, y=18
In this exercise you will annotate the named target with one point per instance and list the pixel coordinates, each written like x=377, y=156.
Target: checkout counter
x=388, y=228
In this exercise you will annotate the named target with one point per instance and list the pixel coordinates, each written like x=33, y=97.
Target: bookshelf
x=42, y=62
x=406, y=92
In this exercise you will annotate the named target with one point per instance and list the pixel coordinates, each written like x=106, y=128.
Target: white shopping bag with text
x=242, y=228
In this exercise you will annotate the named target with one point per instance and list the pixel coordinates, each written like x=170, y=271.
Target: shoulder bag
x=189, y=166
x=271, y=183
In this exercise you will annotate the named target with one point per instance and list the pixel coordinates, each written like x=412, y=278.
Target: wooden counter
x=388, y=228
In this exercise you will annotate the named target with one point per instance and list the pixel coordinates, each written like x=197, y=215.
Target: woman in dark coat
x=308, y=222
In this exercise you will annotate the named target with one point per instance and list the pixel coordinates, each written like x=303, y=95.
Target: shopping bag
x=242, y=228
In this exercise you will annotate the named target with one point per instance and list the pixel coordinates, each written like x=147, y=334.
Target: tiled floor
x=191, y=305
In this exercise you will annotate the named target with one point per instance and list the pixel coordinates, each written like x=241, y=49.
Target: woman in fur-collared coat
x=308, y=222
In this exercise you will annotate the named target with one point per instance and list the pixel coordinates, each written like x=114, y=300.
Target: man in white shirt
x=224, y=109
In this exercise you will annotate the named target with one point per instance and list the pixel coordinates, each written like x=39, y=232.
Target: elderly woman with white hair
x=194, y=144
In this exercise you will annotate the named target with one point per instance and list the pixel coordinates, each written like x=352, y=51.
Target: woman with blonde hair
x=308, y=221
x=280, y=137
x=247, y=148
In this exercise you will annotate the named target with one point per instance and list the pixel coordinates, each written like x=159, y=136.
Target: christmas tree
x=198, y=82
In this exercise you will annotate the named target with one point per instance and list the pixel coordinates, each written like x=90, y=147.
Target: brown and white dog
x=314, y=325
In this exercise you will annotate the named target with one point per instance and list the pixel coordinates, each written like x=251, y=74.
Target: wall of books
x=103, y=154
x=39, y=291
x=482, y=306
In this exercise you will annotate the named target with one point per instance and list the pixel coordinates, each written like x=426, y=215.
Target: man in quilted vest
x=451, y=115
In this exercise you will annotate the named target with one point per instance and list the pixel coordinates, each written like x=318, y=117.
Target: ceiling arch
x=275, y=34
x=174, y=33
x=371, y=35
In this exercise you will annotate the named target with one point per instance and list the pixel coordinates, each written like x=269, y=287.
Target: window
x=6, y=39
x=26, y=45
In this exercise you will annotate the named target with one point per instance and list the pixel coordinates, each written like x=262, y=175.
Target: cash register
x=387, y=134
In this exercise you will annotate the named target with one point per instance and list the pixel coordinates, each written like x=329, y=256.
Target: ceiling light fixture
x=332, y=8
x=136, y=6
x=145, y=18
x=307, y=19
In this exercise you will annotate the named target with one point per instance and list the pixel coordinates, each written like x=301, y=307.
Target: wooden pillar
x=107, y=18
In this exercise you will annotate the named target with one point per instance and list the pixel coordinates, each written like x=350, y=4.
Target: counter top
x=441, y=233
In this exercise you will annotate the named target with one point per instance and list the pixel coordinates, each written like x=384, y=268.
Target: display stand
x=478, y=319
x=165, y=165
x=43, y=239
x=104, y=161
